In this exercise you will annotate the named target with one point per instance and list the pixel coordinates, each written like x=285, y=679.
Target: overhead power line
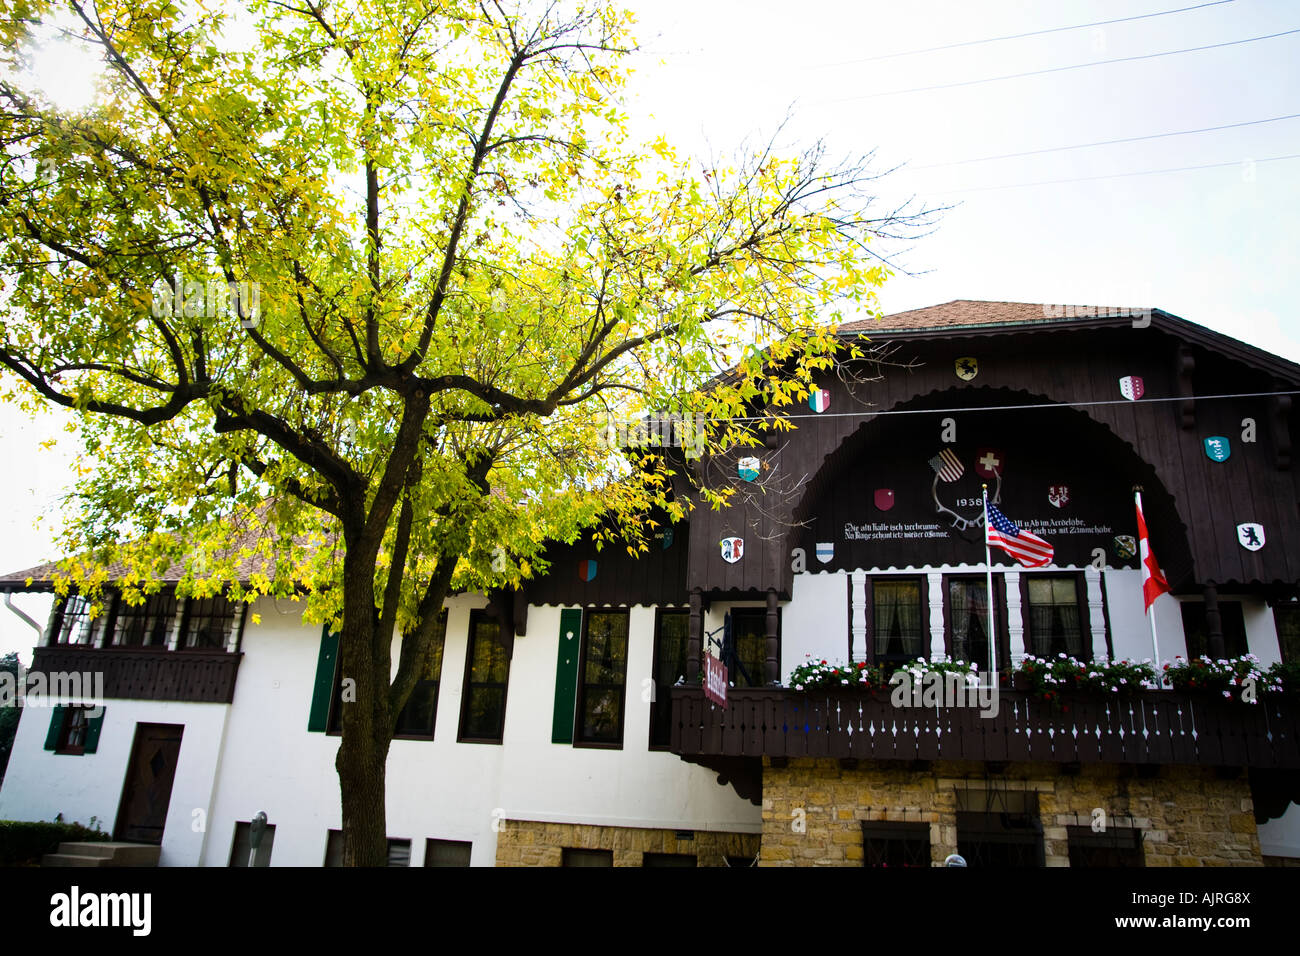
x=1021, y=36
x=1107, y=142
x=1062, y=69
x=1144, y=172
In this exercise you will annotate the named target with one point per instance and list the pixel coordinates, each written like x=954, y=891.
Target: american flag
x=947, y=465
x=1029, y=549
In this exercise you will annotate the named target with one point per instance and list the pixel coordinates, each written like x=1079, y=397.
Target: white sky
x=1215, y=246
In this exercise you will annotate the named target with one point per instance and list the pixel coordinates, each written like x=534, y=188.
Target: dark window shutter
x=93, y=726
x=56, y=727
x=326, y=663
x=566, y=675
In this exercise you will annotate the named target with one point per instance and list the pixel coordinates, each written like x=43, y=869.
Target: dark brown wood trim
x=578, y=741
x=148, y=673
x=474, y=617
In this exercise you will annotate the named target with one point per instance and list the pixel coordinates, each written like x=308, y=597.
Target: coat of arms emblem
x=1251, y=535
x=733, y=549
x=1058, y=495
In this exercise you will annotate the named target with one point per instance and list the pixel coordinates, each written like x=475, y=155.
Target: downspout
x=40, y=631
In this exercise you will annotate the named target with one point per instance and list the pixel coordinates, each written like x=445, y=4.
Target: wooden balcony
x=147, y=673
x=1149, y=728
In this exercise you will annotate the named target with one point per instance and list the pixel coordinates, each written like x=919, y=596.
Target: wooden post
x=772, y=666
x=1213, y=621
x=694, y=638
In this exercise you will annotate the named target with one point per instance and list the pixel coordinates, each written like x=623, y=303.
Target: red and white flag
x=1153, y=579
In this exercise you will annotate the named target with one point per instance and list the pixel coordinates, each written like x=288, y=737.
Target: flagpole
x=1151, y=611
x=988, y=594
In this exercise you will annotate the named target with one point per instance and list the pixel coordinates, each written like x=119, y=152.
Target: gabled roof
x=977, y=317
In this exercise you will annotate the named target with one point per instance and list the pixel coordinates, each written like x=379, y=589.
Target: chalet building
x=566, y=724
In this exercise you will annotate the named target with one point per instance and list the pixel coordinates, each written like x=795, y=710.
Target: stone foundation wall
x=531, y=843
x=813, y=808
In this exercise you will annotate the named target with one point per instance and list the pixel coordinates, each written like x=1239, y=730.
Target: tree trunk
x=363, y=753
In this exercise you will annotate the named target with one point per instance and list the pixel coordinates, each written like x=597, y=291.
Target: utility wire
x=1107, y=142
x=1062, y=69
x=1143, y=172
x=1019, y=36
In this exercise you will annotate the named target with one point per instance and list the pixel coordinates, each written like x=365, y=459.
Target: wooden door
x=148, y=788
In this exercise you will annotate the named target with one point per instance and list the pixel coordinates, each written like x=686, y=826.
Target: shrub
x=24, y=842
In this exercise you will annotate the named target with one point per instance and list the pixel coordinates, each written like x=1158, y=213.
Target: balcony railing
x=146, y=673
x=1149, y=728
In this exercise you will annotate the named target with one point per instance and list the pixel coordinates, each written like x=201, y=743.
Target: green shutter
x=93, y=727
x=566, y=675
x=56, y=727
x=325, y=666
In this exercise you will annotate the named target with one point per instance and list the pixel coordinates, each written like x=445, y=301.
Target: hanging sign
x=715, y=680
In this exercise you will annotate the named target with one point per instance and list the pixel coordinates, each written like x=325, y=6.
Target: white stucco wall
x=40, y=784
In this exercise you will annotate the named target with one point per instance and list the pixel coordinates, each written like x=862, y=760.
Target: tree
x=10, y=711
x=344, y=296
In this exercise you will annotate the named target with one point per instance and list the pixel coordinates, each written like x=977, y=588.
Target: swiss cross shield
x=967, y=368
x=733, y=549
x=1131, y=387
x=1058, y=495
x=989, y=462
x=1251, y=535
x=884, y=498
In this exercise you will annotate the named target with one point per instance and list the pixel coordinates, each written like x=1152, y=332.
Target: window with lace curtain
x=968, y=620
x=899, y=634
x=1054, y=619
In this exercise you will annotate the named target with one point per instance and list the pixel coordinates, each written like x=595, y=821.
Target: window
x=672, y=630
x=1287, y=617
x=399, y=851
x=207, y=624
x=668, y=859
x=487, y=670
x=1197, y=631
x=898, y=634
x=417, y=717
x=446, y=852
x=967, y=622
x=603, y=678
x=146, y=624
x=1054, y=622
x=999, y=828
x=242, y=847
x=749, y=640
x=72, y=623
x=573, y=857
x=74, y=729
x=1117, y=846
x=888, y=844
